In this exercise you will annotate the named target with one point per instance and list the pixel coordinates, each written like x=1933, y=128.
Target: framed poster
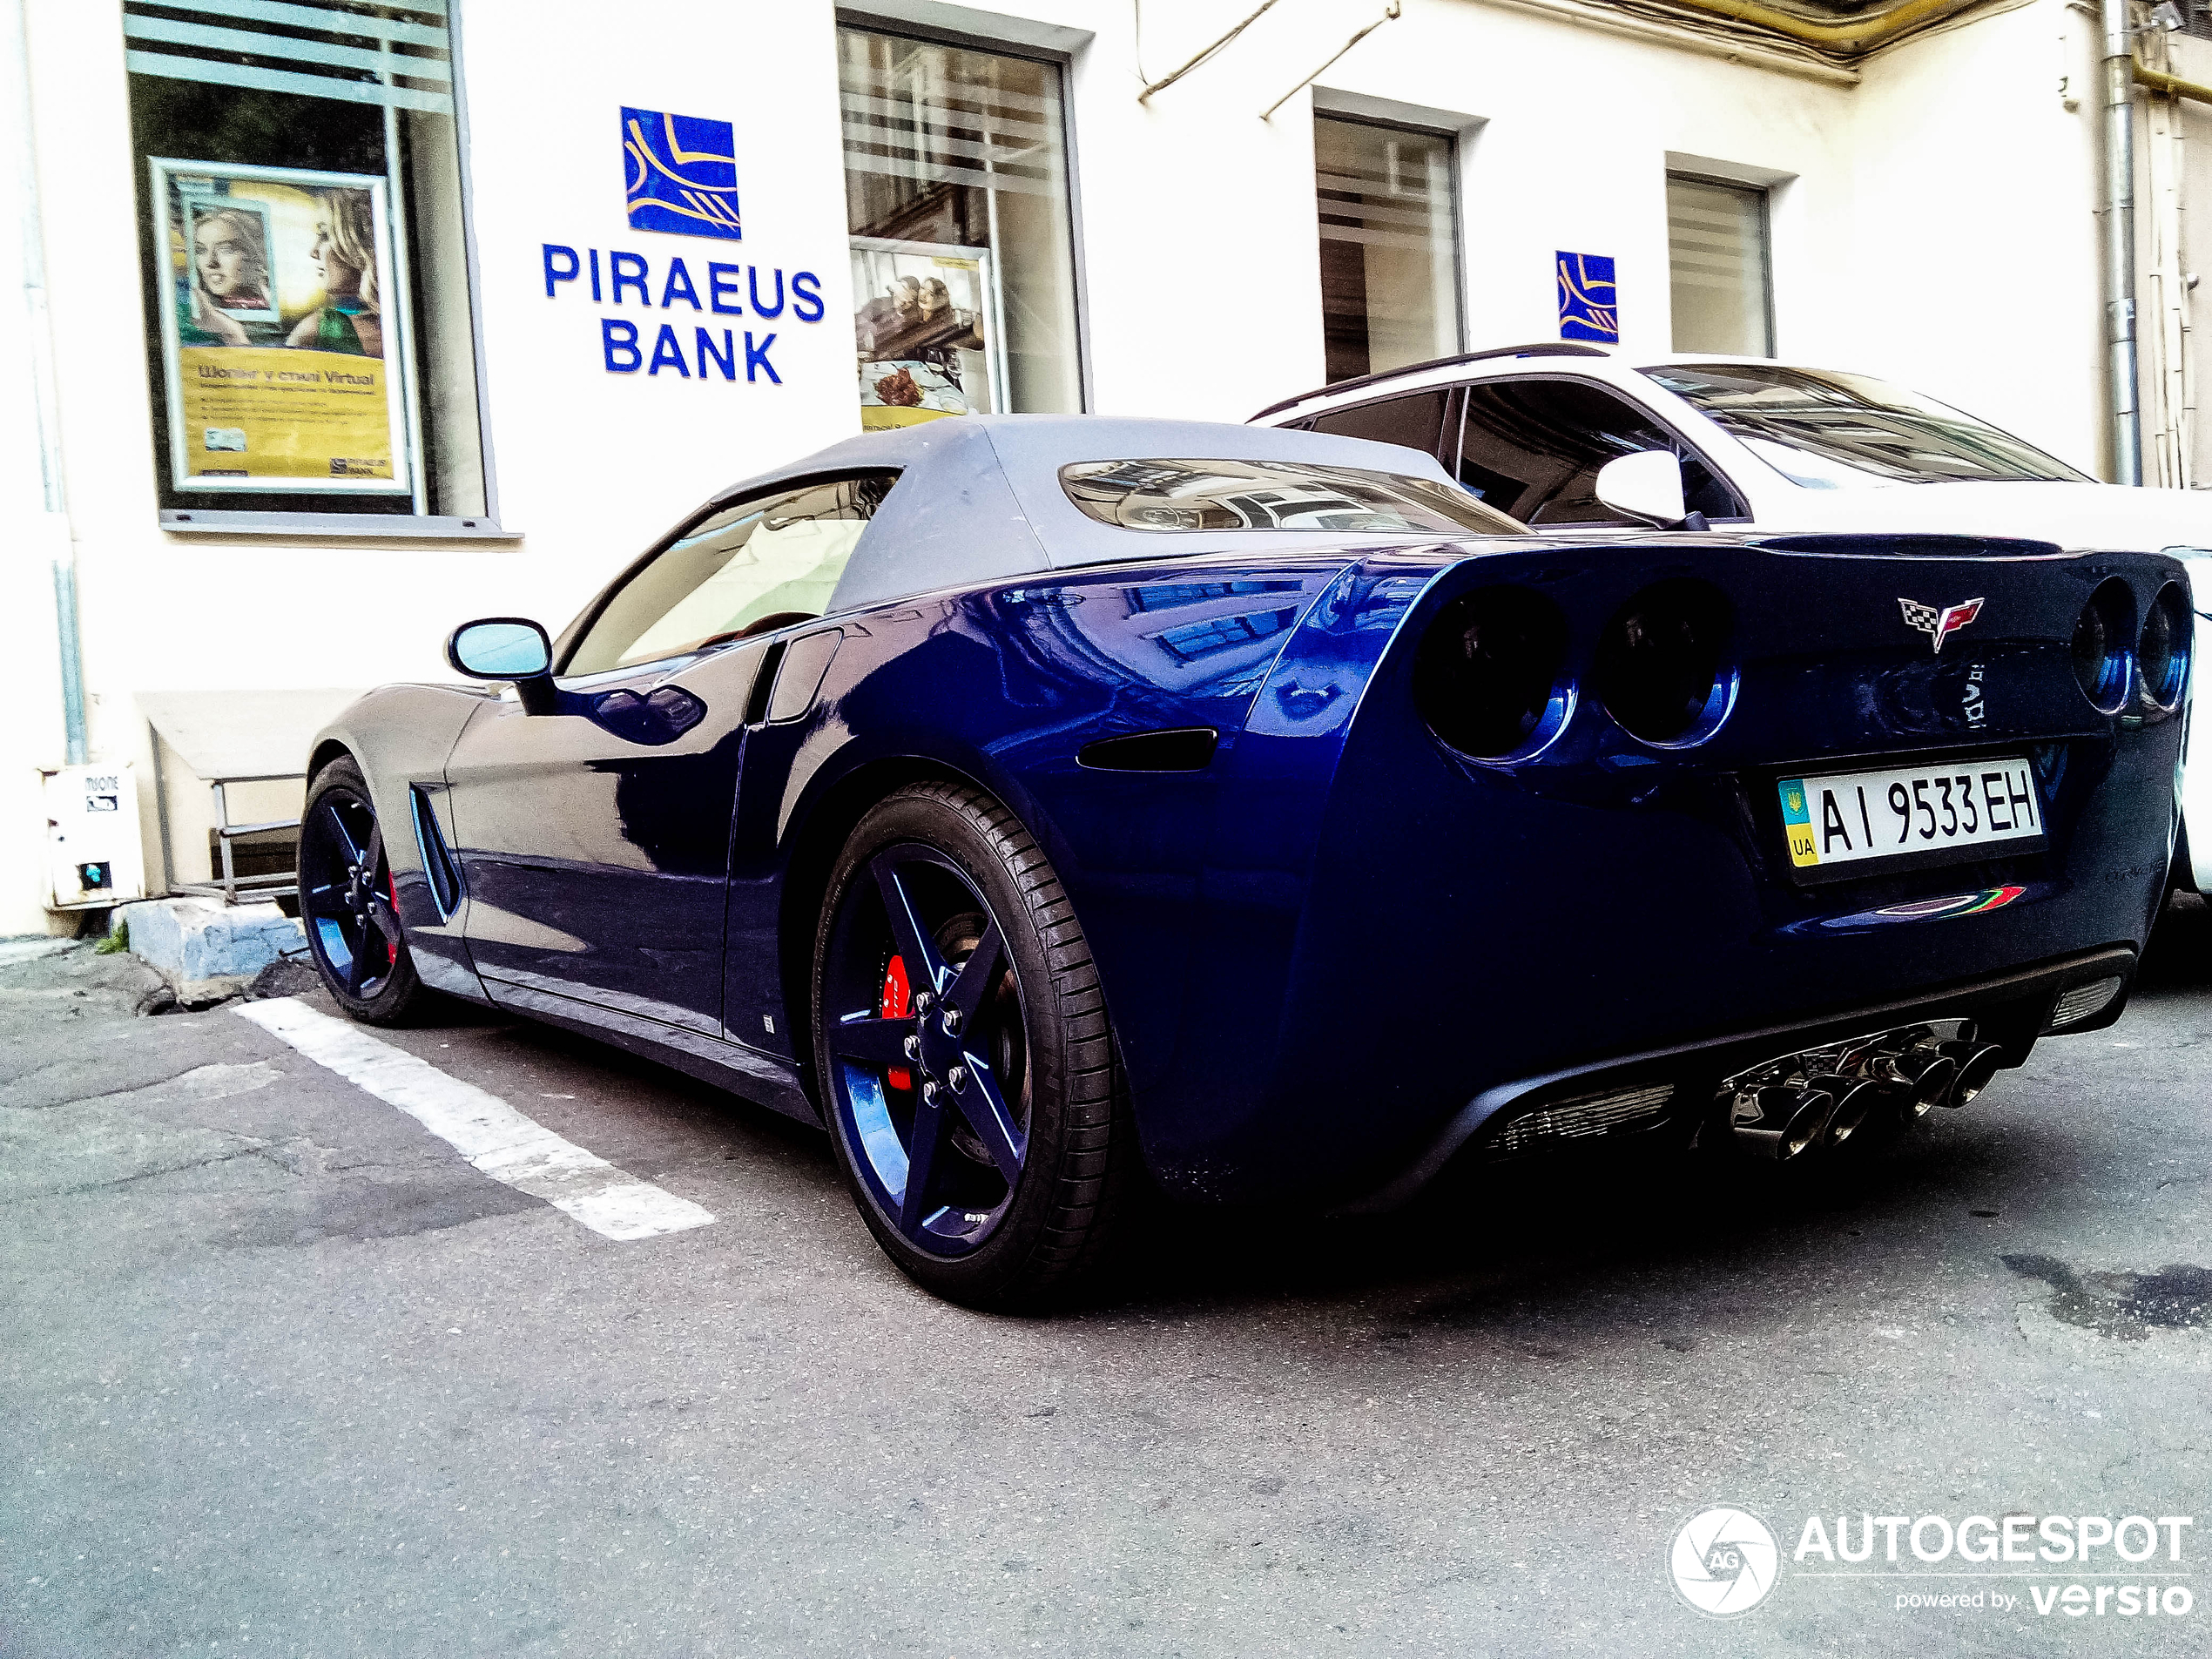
x=284, y=366
x=926, y=332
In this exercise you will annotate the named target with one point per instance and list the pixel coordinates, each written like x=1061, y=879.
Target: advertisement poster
x=279, y=349
x=927, y=330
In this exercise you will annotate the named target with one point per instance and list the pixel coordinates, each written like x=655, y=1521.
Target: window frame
x=1765, y=194
x=1053, y=45
x=321, y=525
x=1455, y=169
x=1653, y=416
x=572, y=637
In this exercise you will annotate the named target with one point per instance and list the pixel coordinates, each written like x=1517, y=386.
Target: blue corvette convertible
x=1054, y=806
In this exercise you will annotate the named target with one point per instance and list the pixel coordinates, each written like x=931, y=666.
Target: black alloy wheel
x=975, y=1102
x=347, y=902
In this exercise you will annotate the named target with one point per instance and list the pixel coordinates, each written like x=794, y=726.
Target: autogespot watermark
x=1724, y=1561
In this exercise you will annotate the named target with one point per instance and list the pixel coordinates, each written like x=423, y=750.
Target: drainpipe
x=16, y=26
x=2119, y=242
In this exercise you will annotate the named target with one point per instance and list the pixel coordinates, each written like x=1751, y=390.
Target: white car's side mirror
x=1647, y=486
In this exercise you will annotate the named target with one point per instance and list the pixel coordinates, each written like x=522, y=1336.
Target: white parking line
x=483, y=1128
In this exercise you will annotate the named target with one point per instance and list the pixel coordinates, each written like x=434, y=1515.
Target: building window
x=1390, y=269
x=962, y=243
x=1722, y=277
x=310, y=338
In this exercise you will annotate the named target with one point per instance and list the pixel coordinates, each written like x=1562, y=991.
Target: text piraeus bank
x=715, y=289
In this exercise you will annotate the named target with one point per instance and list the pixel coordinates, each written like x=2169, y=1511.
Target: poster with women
x=278, y=339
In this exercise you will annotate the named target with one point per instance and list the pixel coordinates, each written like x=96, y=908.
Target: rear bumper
x=2013, y=1010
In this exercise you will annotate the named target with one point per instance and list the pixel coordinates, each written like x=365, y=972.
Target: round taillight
x=1660, y=661
x=2162, y=651
x=1489, y=671
x=2102, y=634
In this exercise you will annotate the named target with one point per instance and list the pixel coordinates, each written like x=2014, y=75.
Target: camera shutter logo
x=1723, y=1561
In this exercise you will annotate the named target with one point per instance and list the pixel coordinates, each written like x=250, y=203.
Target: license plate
x=1848, y=817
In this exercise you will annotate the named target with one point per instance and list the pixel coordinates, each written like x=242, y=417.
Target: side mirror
x=1645, y=486
x=507, y=648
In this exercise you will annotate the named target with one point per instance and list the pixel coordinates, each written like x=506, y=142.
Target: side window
x=1532, y=449
x=762, y=564
x=1417, y=421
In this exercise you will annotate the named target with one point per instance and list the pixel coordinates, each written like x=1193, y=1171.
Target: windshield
x=1832, y=431
x=1274, y=496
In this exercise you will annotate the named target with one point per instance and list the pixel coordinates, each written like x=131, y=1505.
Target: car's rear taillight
x=2102, y=634
x=1490, y=677
x=2162, y=651
x=1662, y=661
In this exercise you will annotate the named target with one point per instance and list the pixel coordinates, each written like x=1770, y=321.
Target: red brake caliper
x=392, y=946
x=896, y=1005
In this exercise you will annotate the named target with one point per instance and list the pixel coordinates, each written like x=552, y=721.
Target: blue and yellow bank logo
x=681, y=174
x=1589, y=305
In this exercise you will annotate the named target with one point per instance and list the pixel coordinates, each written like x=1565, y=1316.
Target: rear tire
x=346, y=902
x=1002, y=1088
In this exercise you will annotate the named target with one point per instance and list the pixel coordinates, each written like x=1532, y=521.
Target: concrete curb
x=206, y=950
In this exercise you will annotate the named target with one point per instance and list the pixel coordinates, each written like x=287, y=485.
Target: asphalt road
x=281, y=1372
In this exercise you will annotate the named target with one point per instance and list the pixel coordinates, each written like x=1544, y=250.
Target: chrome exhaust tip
x=1927, y=1073
x=1978, y=1063
x=1790, y=1121
x=1856, y=1100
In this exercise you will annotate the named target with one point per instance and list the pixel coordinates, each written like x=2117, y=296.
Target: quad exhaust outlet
x=1818, y=1098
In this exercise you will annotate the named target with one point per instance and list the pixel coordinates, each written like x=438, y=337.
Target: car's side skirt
x=757, y=1076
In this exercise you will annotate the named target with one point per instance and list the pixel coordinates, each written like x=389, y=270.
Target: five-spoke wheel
x=927, y=1041
x=348, y=901
x=963, y=1055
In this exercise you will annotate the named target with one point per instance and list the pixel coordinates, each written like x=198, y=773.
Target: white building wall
x=1932, y=222
x=1974, y=236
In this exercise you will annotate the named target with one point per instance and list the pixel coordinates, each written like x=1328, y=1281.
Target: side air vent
x=1586, y=1115
x=438, y=865
x=1187, y=748
x=2083, y=1000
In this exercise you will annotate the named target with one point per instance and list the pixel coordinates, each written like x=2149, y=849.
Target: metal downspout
x=2119, y=217
x=15, y=25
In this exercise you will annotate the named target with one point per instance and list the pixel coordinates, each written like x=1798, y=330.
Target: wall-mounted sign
x=683, y=349
x=680, y=174
x=682, y=179
x=280, y=359
x=1588, y=306
x=925, y=327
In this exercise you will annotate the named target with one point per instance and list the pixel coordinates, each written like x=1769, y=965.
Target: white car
x=1569, y=436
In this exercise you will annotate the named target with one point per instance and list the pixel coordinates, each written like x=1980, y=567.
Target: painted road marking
x=483, y=1128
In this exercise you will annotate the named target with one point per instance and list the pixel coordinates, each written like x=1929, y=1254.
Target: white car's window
x=1534, y=447
x=1826, y=430
x=773, y=560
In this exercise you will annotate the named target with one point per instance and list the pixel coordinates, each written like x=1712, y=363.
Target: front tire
x=347, y=902
x=975, y=1098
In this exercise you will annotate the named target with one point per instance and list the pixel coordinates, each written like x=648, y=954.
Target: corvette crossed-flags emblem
x=1938, y=625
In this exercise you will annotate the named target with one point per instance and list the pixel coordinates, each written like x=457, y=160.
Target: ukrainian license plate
x=1848, y=817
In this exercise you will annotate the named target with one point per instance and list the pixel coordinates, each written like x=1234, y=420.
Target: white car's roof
x=1568, y=357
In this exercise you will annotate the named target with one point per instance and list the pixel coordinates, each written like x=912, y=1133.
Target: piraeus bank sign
x=680, y=179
